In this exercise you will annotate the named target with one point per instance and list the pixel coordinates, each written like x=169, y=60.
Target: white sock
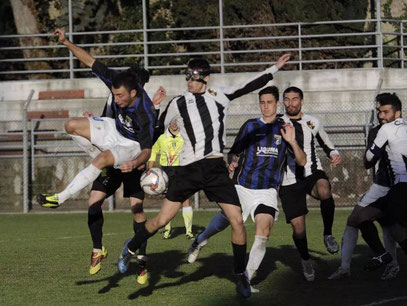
x=349, y=240
x=256, y=256
x=389, y=243
x=80, y=181
x=86, y=145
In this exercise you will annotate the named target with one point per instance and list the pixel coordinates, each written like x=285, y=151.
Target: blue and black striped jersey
x=262, y=153
x=136, y=122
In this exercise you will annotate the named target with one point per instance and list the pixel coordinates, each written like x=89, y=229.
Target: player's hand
x=282, y=60
x=335, y=159
x=288, y=132
x=61, y=35
x=126, y=167
x=232, y=166
x=159, y=96
x=88, y=114
x=141, y=167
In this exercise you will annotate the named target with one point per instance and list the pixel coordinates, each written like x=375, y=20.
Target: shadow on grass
x=283, y=285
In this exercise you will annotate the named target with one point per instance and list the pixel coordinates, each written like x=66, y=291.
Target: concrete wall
x=343, y=89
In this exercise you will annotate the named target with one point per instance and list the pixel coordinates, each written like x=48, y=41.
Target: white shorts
x=375, y=191
x=251, y=198
x=104, y=135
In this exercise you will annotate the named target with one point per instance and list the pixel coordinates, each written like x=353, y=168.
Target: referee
x=201, y=114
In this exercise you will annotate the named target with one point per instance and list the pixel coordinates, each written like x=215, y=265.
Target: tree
x=26, y=22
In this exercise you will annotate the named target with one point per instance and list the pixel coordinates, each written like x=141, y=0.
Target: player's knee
x=103, y=160
x=70, y=126
x=324, y=193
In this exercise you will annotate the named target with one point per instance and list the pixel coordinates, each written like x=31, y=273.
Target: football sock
x=167, y=228
x=187, y=215
x=86, y=145
x=349, y=240
x=95, y=224
x=136, y=227
x=302, y=247
x=389, y=243
x=371, y=236
x=80, y=181
x=239, y=257
x=327, y=212
x=256, y=256
x=139, y=238
x=216, y=225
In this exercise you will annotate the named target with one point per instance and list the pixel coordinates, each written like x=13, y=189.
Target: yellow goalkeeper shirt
x=169, y=148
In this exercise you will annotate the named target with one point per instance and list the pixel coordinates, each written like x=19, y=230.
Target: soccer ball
x=154, y=181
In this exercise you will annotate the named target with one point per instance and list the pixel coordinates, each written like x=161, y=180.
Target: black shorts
x=394, y=205
x=294, y=197
x=110, y=180
x=170, y=171
x=209, y=175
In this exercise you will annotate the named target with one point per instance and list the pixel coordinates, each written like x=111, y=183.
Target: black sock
x=302, y=247
x=239, y=257
x=371, y=236
x=136, y=227
x=327, y=212
x=139, y=238
x=95, y=224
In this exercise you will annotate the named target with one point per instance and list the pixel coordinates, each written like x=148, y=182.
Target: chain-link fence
x=53, y=159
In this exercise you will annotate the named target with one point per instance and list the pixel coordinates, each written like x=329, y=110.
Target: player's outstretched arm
x=257, y=81
x=159, y=96
x=282, y=60
x=288, y=134
x=138, y=163
x=80, y=53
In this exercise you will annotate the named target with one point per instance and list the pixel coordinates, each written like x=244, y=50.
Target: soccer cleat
x=124, y=259
x=308, y=269
x=340, y=274
x=375, y=263
x=189, y=235
x=194, y=249
x=391, y=271
x=48, y=200
x=243, y=285
x=331, y=244
x=166, y=234
x=142, y=275
x=96, y=259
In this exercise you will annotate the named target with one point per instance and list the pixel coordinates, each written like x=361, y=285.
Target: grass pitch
x=44, y=260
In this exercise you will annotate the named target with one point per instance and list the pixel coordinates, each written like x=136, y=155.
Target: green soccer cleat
x=48, y=200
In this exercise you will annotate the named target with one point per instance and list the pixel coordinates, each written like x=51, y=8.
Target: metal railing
x=376, y=48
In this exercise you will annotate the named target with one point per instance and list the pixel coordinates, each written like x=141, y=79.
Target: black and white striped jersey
x=392, y=137
x=202, y=117
x=308, y=131
x=382, y=174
